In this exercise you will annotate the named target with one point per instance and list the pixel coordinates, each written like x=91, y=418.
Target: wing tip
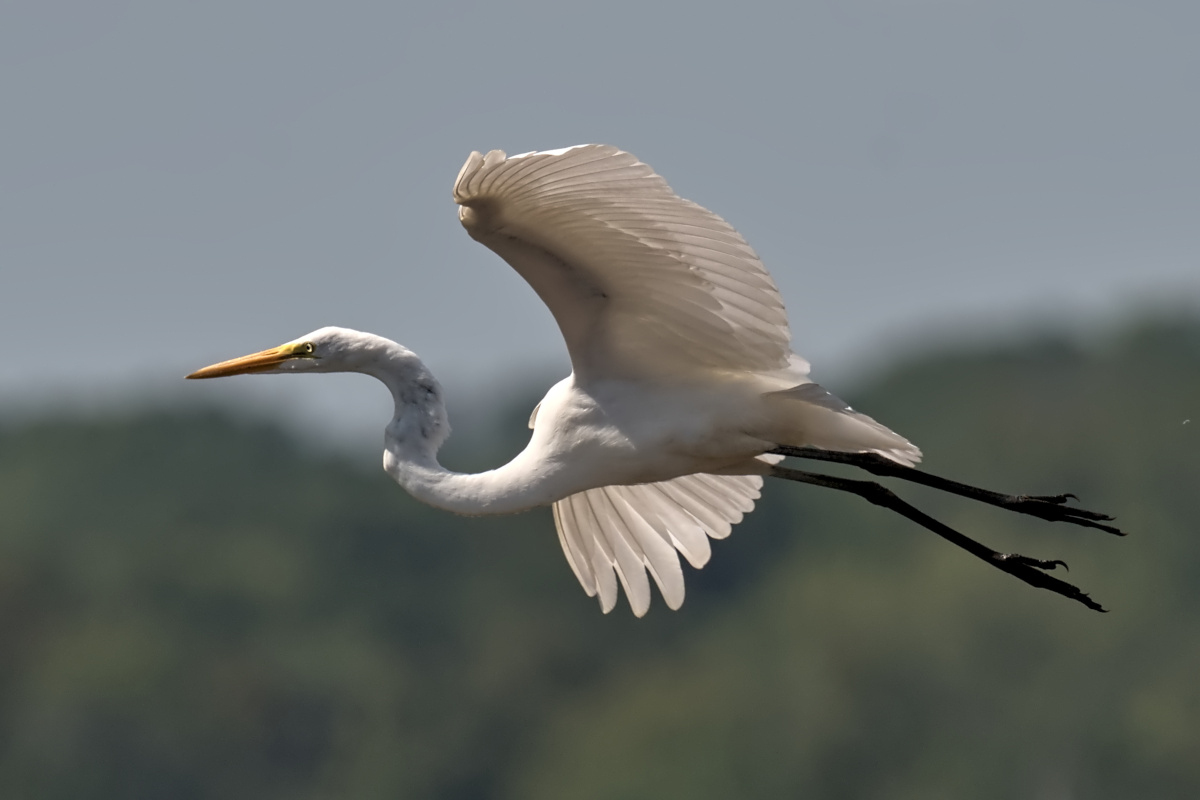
x=469, y=183
x=469, y=168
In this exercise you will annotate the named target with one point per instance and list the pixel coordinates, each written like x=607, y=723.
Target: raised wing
x=640, y=281
x=618, y=533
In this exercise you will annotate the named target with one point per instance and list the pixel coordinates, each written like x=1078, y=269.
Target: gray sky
x=185, y=182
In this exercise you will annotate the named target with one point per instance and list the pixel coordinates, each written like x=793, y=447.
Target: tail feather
x=814, y=417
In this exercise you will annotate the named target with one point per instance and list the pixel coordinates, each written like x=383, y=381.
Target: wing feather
x=683, y=531
x=627, y=558
x=657, y=553
x=568, y=537
x=638, y=279
x=622, y=532
x=603, y=561
x=684, y=493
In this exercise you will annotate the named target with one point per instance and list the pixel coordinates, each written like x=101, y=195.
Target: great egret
x=684, y=392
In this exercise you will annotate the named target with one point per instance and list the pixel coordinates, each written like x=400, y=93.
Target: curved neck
x=416, y=433
x=505, y=490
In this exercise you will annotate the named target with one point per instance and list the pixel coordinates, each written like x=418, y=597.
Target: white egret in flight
x=684, y=392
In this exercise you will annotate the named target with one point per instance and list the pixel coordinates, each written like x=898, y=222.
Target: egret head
x=324, y=350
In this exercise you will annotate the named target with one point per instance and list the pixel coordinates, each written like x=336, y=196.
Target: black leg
x=1030, y=570
x=1051, y=507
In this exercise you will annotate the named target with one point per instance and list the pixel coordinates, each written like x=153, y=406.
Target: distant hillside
x=191, y=606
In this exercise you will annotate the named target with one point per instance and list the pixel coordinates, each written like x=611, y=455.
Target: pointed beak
x=255, y=362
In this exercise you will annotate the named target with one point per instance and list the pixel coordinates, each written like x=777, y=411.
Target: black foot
x=1026, y=569
x=1040, y=563
x=1054, y=508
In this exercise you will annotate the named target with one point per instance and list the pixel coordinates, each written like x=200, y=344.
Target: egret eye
x=308, y=348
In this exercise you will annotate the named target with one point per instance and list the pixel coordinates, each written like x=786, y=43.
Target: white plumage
x=649, y=278
x=621, y=532
x=683, y=375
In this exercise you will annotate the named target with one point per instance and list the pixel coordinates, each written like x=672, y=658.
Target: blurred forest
x=198, y=606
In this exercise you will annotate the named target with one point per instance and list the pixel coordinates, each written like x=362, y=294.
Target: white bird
x=684, y=390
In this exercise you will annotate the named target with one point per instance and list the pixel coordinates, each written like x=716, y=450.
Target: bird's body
x=683, y=379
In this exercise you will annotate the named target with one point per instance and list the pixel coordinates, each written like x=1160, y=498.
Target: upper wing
x=639, y=280
x=619, y=532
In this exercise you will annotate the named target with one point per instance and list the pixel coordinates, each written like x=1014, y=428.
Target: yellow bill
x=263, y=361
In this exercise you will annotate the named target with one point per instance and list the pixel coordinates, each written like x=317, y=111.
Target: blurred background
x=983, y=217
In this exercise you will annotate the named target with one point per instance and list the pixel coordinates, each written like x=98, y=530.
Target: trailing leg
x=1029, y=570
x=1047, y=507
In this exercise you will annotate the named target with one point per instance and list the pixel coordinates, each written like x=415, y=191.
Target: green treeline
x=193, y=606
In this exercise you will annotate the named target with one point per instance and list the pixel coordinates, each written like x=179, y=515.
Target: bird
x=684, y=392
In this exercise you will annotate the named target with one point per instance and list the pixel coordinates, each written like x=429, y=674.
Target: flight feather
x=629, y=270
